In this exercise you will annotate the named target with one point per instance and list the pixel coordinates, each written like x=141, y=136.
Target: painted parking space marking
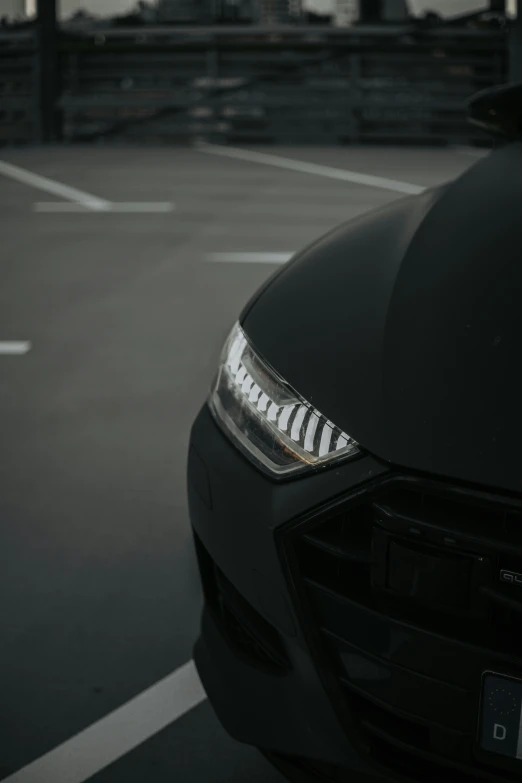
x=304, y=167
x=249, y=258
x=76, y=200
x=113, y=206
x=110, y=738
x=51, y=186
x=14, y=347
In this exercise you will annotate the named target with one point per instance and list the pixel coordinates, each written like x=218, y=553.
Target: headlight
x=268, y=418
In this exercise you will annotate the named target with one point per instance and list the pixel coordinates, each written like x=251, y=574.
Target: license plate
x=501, y=715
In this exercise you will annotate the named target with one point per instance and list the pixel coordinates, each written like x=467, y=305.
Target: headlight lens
x=268, y=418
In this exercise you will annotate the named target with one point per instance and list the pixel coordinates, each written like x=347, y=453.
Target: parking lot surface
x=118, y=285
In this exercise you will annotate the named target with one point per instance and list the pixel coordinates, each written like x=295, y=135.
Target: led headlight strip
x=269, y=418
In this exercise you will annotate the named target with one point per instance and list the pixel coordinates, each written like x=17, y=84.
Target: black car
x=355, y=489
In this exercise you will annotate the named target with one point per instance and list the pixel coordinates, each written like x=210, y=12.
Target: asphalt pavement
x=121, y=311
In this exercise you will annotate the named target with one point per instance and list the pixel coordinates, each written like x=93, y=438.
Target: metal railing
x=19, y=102
x=299, y=85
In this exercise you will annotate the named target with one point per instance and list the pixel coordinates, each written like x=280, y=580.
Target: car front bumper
x=298, y=656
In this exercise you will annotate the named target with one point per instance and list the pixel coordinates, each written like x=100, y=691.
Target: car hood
x=404, y=326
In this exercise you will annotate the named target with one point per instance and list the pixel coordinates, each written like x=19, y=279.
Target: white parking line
x=113, y=206
x=311, y=168
x=14, y=347
x=112, y=737
x=51, y=186
x=77, y=200
x=249, y=258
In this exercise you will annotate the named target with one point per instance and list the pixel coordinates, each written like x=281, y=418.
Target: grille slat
x=475, y=535
x=503, y=598
x=400, y=641
x=330, y=545
x=390, y=686
x=340, y=642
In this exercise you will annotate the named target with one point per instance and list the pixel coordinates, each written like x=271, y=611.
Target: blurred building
x=395, y=10
x=176, y=11
x=209, y=11
x=12, y=9
x=278, y=11
x=225, y=11
x=346, y=12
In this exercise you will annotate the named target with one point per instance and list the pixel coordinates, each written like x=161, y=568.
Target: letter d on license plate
x=501, y=719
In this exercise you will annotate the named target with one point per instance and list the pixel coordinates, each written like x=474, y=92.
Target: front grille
x=252, y=637
x=399, y=590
